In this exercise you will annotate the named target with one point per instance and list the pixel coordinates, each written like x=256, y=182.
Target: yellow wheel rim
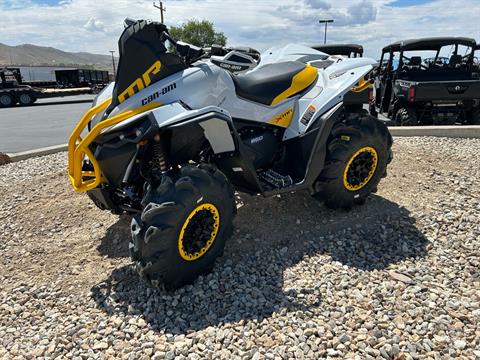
x=360, y=168
x=191, y=246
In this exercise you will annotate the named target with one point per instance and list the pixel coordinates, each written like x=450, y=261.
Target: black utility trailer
x=348, y=50
x=13, y=92
x=81, y=77
x=412, y=91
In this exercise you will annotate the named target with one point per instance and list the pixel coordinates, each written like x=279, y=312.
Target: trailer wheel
x=26, y=99
x=6, y=100
x=405, y=117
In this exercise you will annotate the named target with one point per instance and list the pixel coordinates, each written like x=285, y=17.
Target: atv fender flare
x=218, y=130
x=317, y=158
x=310, y=150
x=217, y=127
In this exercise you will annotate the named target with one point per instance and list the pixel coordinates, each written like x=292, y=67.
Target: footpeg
x=275, y=180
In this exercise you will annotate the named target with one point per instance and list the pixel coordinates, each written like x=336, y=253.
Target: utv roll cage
x=349, y=50
x=476, y=58
x=425, y=44
x=436, y=89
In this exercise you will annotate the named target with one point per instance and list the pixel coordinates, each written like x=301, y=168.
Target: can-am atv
x=175, y=135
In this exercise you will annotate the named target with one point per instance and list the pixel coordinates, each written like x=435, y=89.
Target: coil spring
x=159, y=156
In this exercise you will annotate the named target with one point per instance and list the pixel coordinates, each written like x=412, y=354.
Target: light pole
x=113, y=62
x=326, y=22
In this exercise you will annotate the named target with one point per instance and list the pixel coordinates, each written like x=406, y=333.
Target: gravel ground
x=398, y=278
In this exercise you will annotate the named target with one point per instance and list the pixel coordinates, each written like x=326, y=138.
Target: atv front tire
x=183, y=227
x=358, y=152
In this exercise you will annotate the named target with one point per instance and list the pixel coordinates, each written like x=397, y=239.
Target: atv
x=175, y=135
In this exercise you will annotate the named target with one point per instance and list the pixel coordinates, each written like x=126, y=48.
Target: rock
x=400, y=277
x=101, y=345
x=459, y=344
x=344, y=338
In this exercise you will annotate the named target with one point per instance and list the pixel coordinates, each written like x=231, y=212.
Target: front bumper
x=78, y=149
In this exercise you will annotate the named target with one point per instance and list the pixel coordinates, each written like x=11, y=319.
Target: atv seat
x=272, y=83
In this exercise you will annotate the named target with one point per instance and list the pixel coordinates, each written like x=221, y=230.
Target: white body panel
x=290, y=52
x=207, y=85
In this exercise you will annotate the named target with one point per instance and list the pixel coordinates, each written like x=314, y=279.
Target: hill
x=28, y=54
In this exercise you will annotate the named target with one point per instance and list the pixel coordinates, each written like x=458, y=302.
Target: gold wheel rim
x=371, y=171
x=191, y=256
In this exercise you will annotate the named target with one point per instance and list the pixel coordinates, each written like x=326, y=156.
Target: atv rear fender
x=305, y=154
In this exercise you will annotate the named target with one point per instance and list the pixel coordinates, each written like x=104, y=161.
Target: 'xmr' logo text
x=141, y=83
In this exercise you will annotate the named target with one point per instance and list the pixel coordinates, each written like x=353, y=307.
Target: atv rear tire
x=358, y=152
x=183, y=227
x=405, y=117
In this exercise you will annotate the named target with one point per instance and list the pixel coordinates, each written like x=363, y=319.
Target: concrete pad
x=454, y=131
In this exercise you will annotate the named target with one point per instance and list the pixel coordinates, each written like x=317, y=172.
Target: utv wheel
x=6, y=100
x=406, y=117
x=476, y=117
x=358, y=152
x=183, y=227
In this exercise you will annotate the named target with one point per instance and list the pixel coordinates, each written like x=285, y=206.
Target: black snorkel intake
x=143, y=59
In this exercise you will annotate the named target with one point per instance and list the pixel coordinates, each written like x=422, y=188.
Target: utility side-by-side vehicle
x=172, y=139
x=348, y=50
x=439, y=90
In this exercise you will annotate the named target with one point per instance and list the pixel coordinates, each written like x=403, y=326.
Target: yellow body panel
x=300, y=81
x=284, y=119
x=78, y=148
x=362, y=86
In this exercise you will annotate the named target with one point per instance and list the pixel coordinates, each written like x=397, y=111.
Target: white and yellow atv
x=176, y=134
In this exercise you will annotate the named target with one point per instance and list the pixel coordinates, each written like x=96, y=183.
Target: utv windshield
x=452, y=61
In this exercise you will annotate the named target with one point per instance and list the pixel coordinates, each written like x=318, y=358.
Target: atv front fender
x=190, y=130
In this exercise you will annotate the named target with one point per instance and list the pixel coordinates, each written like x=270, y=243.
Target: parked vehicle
x=348, y=50
x=418, y=92
x=40, y=76
x=13, y=92
x=476, y=62
x=173, y=137
x=234, y=59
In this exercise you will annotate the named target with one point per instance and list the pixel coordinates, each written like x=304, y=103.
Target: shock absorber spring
x=159, y=154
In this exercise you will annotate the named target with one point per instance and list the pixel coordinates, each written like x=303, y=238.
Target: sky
x=94, y=26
